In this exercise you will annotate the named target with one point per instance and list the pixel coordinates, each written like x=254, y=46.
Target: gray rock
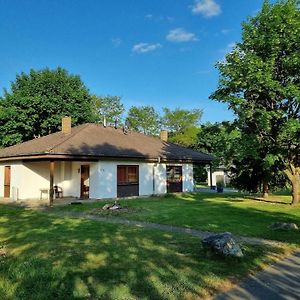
x=223, y=244
x=114, y=207
x=284, y=226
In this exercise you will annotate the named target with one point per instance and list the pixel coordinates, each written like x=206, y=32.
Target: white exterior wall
x=28, y=178
x=161, y=179
x=214, y=177
x=70, y=178
x=187, y=178
x=103, y=178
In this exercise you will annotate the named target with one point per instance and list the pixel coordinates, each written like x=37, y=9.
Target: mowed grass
x=210, y=211
x=51, y=257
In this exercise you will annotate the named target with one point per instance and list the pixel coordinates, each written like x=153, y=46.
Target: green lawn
x=48, y=257
x=212, y=212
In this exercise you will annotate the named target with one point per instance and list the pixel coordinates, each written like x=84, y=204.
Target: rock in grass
x=223, y=244
x=106, y=206
x=284, y=226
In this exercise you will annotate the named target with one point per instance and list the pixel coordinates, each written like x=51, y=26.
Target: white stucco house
x=93, y=161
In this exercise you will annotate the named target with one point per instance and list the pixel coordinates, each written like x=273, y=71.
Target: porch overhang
x=79, y=157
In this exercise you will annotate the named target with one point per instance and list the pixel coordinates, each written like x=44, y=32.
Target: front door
x=174, y=179
x=85, y=181
x=6, y=181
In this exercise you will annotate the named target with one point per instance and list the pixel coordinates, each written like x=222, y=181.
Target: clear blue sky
x=150, y=52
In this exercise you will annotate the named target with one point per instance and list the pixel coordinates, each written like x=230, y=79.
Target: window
x=127, y=175
x=174, y=179
x=174, y=173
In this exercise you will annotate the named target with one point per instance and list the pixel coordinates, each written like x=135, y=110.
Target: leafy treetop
x=37, y=101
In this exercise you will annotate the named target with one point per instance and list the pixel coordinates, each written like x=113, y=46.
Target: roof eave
x=80, y=157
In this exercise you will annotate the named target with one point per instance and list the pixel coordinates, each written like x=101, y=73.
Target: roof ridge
x=69, y=136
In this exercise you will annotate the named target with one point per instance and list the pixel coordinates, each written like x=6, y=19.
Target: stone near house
x=284, y=226
x=111, y=206
x=223, y=244
x=106, y=206
x=114, y=207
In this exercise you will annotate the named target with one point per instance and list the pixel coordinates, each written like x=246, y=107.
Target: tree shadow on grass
x=243, y=217
x=219, y=213
x=63, y=258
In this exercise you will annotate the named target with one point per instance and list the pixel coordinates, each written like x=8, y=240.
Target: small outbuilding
x=219, y=175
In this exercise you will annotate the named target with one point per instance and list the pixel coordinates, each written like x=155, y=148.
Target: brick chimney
x=66, y=125
x=164, y=135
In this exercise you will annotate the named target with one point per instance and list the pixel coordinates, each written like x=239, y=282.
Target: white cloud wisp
x=179, y=35
x=207, y=8
x=145, y=47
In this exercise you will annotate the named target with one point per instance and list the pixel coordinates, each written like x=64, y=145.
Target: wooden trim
x=7, y=181
x=174, y=186
x=126, y=170
x=84, y=193
x=128, y=188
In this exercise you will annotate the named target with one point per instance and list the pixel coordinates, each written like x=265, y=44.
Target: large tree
x=107, y=107
x=260, y=80
x=144, y=119
x=178, y=119
x=37, y=101
x=220, y=140
x=182, y=124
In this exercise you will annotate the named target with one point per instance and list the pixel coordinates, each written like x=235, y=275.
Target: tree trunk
x=293, y=174
x=265, y=191
x=296, y=190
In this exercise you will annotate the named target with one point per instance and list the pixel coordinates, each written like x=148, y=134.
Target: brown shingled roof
x=95, y=141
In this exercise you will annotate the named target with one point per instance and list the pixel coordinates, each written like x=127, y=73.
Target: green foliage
x=182, y=124
x=221, y=140
x=260, y=80
x=199, y=173
x=211, y=212
x=37, y=101
x=144, y=119
x=187, y=138
x=52, y=257
x=109, y=107
x=178, y=120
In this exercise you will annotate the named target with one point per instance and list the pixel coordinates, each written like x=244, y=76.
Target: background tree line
x=37, y=101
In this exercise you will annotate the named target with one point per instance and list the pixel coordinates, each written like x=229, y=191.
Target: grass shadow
x=64, y=258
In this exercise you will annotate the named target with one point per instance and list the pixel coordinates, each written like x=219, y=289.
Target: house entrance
x=84, y=181
x=174, y=179
x=6, y=181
